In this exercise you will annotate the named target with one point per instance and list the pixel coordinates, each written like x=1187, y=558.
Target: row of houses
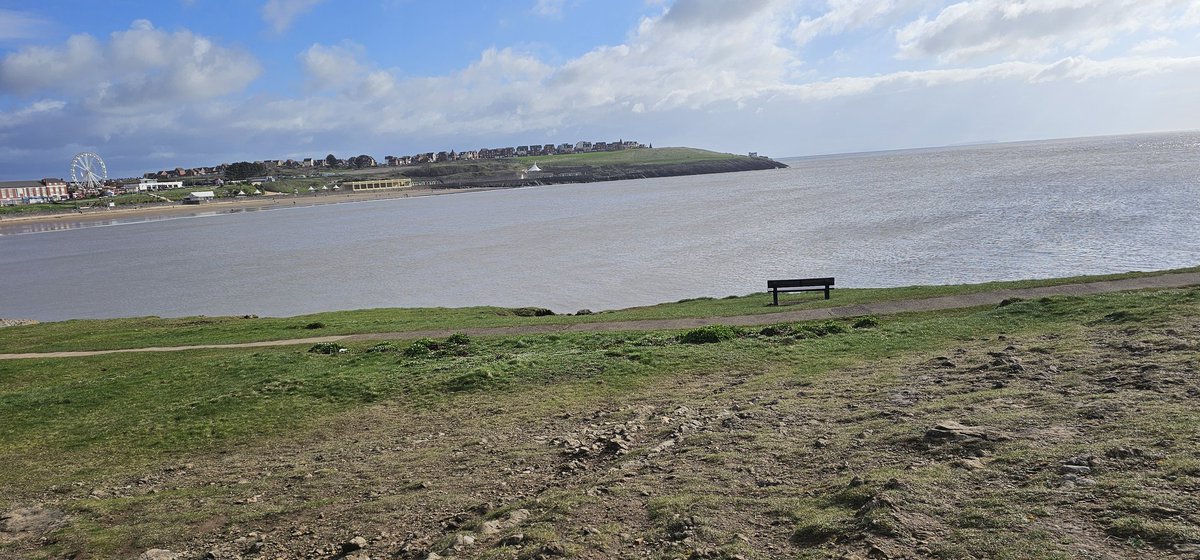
x=361, y=161
x=513, y=151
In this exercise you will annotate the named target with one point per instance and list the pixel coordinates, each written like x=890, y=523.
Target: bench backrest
x=799, y=282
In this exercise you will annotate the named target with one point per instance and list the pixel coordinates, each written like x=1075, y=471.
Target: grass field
x=152, y=331
x=807, y=440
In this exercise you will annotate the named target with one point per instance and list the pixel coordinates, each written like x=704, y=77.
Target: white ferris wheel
x=88, y=171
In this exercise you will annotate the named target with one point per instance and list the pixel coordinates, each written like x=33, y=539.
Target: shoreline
x=572, y=174
x=71, y=220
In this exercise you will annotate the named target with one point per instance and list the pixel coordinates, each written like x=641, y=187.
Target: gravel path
x=1164, y=281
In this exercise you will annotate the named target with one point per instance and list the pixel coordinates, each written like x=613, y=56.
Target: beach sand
x=228, y=205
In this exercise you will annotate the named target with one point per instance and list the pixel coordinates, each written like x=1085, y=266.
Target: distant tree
x=244, y=170
x=331, y=160
x=363, y=161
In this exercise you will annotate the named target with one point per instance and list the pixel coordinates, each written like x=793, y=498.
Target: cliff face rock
x=645, y=171
x=699, y=168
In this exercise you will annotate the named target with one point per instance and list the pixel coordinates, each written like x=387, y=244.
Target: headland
x=296, y=188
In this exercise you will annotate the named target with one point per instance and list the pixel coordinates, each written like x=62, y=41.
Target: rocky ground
x=16, y=322
x=1049, y=444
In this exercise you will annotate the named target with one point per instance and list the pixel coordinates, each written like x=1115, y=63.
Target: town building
x=198, y=197
x=377, y=184
x=33, y=192
x=145, y=184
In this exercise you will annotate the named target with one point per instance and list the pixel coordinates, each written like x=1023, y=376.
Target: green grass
x=139, y=332
x=644, y=156
x=89, y=421
x=47, y=208
x=146, y=403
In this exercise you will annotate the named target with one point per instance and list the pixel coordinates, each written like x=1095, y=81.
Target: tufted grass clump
x=709, y=334
x=531, y=312
x=327, y=348
x=868, y=322
x=387, y=346
x=422, y=347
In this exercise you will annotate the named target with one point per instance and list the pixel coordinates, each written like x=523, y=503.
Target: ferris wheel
x=88, y=171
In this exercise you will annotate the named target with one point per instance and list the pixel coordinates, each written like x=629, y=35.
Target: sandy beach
x=269, y=201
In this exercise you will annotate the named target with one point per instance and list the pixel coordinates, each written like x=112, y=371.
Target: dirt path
x=1164, y=281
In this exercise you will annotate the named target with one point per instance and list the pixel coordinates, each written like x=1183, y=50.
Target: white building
x=145, y=184
x=198, y=197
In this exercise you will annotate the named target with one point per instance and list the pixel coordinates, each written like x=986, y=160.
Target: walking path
x=1177, y=280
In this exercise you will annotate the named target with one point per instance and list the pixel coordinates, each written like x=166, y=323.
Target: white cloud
x=30, y=112
x=548, y=8
x=694, y=54
x=705, y=72
x=1153, y=45
x=281, y=13
x=1072, y=69
x=1080, y=69
x=333, y=67
x=20, y=25
x=844, y=15
x=1037, y=28
x=698, y=52
x=703, y=57
x=139, y=66
x=38, y=68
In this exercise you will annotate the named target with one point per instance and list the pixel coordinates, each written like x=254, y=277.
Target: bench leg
x=775, y=297
x=826, y=292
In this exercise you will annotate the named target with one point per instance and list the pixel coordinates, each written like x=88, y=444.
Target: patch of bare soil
x=29, y=523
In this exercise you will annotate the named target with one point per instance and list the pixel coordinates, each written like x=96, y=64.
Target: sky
x=185, y=83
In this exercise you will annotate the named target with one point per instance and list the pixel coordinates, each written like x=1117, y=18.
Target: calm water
x=968, y=214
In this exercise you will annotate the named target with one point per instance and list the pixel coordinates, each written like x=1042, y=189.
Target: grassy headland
x=1053, y=428
x=567, y=168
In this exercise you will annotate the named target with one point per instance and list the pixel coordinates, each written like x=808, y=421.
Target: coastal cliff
x=646, y=171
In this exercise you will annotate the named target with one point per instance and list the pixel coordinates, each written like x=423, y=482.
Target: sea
x=946, y=215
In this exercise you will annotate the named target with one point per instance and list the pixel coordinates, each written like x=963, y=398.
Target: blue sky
x=153, y=85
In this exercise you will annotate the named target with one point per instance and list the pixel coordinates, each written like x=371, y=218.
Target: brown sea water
x=935, y=216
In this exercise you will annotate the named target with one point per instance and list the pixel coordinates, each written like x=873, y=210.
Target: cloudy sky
x=152, y=85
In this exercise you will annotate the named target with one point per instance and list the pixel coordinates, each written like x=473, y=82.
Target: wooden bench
x=799, y=285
